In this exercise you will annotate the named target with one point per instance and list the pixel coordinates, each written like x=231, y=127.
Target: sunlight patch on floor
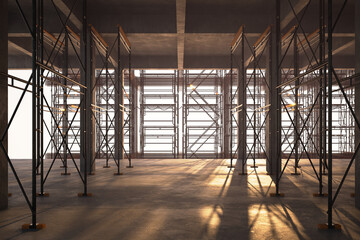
x=276, y=221
x=211, y=219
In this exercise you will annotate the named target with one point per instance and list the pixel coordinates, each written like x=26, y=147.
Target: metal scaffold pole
x=296, y=112
x=131, y=115
x=34, y=111
x=119, y=115
x=85, y=117
x=230, y=113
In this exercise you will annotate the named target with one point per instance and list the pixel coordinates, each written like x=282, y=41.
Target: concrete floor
x=181, y=199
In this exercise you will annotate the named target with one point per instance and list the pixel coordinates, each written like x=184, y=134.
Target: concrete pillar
x=90, y=99
x=119, y=117
x=226, y=121
x=273, y=124
x=267, y=102
x=66, y=113
x=4, y=102
x=180, y=119
x=241, y=116
x=296, y=113
x=357, y=101
x=134, y=114
x=87, y=121
x=217, y=117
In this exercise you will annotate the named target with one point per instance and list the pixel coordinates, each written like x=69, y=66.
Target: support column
x=296, y=112
x=242, y=114
x=226, y=121
x=274, y=119
x=87, y=122
x=134, y=114
x=90, y=99
x=4, y=102
x=119, y=116
x=66, y=114
x=181, y=112
x=357, y=101
x=119, y=113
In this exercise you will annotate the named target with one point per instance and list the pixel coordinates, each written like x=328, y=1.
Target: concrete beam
x=4, y=102
x=180, y=28
x=66, y=11
x=336, y=51
x=19, y=48
x=300, y=5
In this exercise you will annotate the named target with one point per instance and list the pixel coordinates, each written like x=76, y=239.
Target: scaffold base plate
x=65, y=174
x=129, y=166
x=325, y=226
x=118, y=173
x=295, y=174
x=277, y=195
x=243, y=173
x=92, y=173
x=106, y=166
x=43, y=194
x=85, y=195
x=29, y=227
x=320, y=195
x=254, y=166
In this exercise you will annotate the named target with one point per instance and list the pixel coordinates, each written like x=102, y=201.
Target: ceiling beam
x=66, y=11
x=180, y=28
x=337, y=50
x=19, y=48
x=300, y=5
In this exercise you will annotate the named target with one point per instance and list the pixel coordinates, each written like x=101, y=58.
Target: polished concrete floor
x=181, y=199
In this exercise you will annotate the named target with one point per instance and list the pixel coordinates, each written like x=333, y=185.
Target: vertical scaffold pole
x=119, y=111
x=131, y=112
x=230, y=112
x=34, y=112
x=330, y=69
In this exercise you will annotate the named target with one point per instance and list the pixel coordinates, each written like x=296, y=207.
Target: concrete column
x=4, y=102
x=242, y=114
x=273, y=124
x=226, y=121
x=119, y=117
x=87, y=121
x=267, y=102
x=180, y=120
x=216, y=116
x=134, y=108
x=66, y=114
x=357, y=101
x=90, y=99
x=296, y=113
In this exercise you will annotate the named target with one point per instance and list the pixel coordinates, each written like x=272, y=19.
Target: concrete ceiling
x=178, y=33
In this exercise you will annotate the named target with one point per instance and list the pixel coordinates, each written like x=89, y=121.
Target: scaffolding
x=267, y=106
x=159, y=117
x=311, y=107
